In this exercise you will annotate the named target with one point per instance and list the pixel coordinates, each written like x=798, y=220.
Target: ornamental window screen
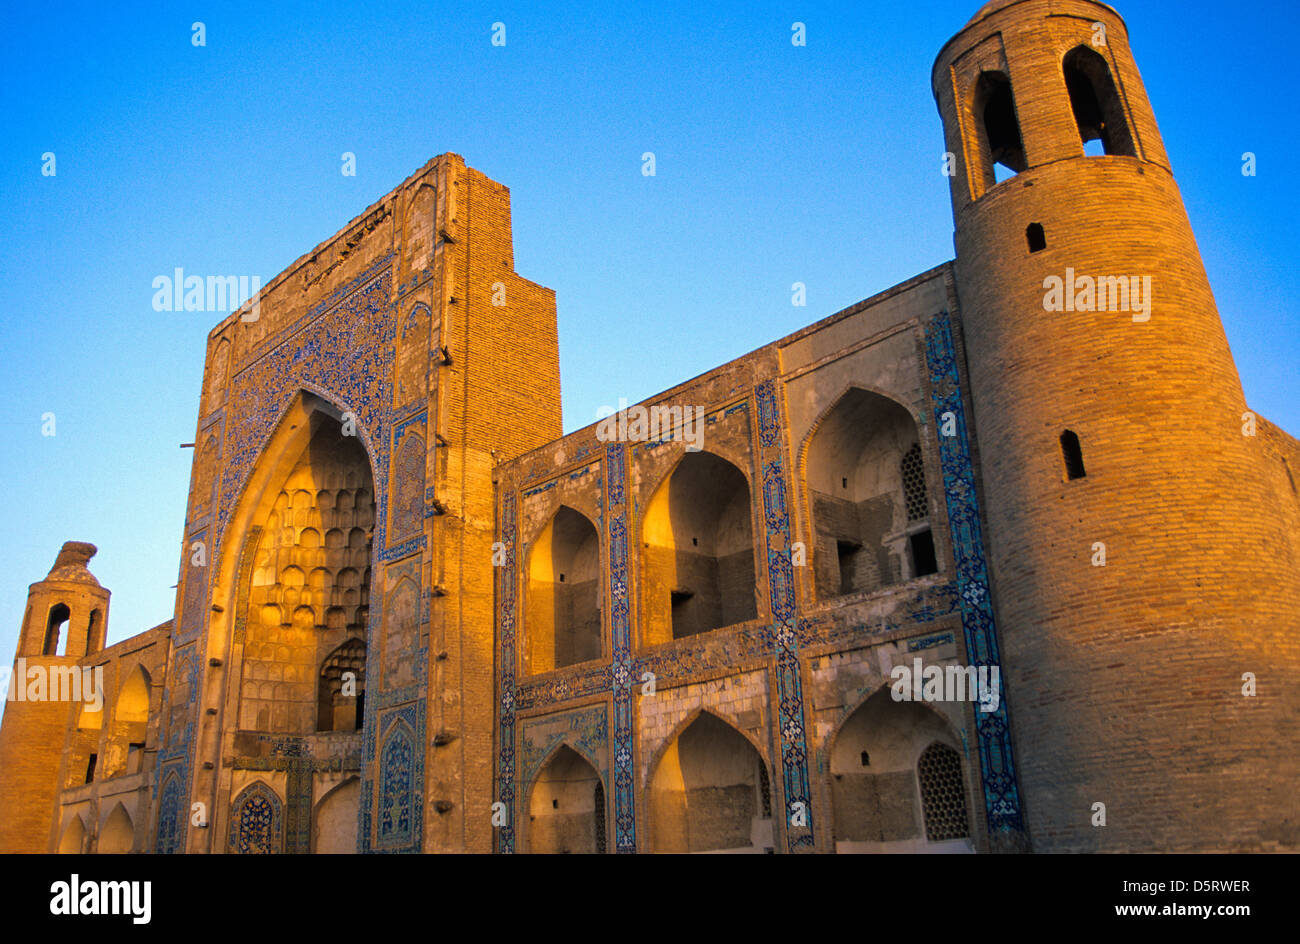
x=914, y=494
x=943, y=793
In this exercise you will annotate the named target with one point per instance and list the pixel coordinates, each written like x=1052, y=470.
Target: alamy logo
x=1101, y=293
x=54, y=683
x=652, y=424
x=920, y=682
x=181, y=292
x=75, y=897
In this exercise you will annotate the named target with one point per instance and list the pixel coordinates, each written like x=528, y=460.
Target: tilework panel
x=409, y=455
x=789, y=685
x=396, y=773
x=171, y=813
x=576, y=683
x=925, y=606
x=255, y=821
x=506, y=583
x=193, y=615
x=298, y=804
x=621, y=640
x=584, y=729
x=993, y=734
x=179, y=710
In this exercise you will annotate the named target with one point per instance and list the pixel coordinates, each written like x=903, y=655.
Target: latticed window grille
x=914, y=494
x=765, y=790
x=943, y=794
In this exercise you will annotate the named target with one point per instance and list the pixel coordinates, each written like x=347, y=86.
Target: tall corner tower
x=1128, y=518
x=65, y=621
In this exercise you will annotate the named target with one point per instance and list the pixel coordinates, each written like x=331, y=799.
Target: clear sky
x=774, y=164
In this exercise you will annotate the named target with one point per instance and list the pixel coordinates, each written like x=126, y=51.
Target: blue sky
x=775, y=164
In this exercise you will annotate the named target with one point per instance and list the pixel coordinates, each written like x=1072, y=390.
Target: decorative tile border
x=789, y=686
x=505, y=792
x=1006, y=824
x=620, y=623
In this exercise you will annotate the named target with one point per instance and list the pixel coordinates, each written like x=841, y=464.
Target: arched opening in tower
x=698, y=550
x=55, y=629
x=1098, y=111
x=563, y=610
x=309, y=591
x=1000, y=142
x=865, y=474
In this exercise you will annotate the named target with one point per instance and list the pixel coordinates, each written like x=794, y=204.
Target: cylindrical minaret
x=1130, y=530
x=65, y=621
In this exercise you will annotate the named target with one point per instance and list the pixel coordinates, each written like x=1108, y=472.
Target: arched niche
x=877, y=798
x=710, y=792
x=698, y=550
x=563, y=622
x=566, y=806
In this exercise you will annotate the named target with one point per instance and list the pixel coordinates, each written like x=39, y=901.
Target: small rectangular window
x=924, y=561
x=1072, y=454
x=848, y=557
x=90, y=768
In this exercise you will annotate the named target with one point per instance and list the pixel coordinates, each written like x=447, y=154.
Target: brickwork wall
x=1126, y=678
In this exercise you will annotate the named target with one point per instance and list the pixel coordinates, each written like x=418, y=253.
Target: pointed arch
x=56, y=626
x=134, y=696
x=117, y=835
x=171, y=822
x=566, y=804
x=1096, y=103
x=407, y=479
x=342, y=688
x=999, y=137
x=396, y=786
x=255, y=821
x=411, y=365
x=872, y=758
x=419, y=228
x=73, y=839
x=864, y=483
x=95, y=632
x=697, y=540
x=562, y=622
x=295, y=591
x=334, y=819
x=401, y=632
x=710, y=791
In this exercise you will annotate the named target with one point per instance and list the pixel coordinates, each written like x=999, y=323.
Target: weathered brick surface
x=1126, y=679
